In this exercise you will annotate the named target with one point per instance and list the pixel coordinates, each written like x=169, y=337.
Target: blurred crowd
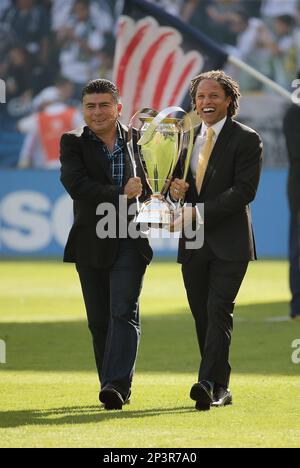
x=44, y=41
x=58, y=45
x=263, y=33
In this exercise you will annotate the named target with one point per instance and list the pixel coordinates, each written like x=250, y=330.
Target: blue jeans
x=294, y=258
x=112, y=303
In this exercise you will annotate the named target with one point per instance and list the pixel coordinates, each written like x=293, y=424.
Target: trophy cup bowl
x=159, y=146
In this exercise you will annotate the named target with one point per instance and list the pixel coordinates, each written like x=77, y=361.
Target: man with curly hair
x=223, y=175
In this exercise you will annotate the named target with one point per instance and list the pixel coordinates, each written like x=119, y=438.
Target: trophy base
x=155, y=212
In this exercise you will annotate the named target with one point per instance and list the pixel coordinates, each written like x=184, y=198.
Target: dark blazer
x=229, y=185
x=86, y=175
x=291, y=128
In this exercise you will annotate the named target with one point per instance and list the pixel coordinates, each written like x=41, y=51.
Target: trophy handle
x=188, y=154
x=130, y=146
x=168, y=181
x=190, y=147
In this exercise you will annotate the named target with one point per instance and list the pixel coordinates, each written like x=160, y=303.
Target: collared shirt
x=200, y=141
x=116, y=157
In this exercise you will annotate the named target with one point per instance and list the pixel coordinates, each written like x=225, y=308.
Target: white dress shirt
x=199, y=142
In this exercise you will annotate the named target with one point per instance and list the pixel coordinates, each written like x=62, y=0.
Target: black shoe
x=111, y=398
x=202, y=393
x=222, y=396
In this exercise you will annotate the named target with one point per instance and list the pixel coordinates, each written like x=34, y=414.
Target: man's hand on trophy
x=133, y=188
x=178, y=189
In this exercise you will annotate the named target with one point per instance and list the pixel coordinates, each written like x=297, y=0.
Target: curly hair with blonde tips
x=229, y=85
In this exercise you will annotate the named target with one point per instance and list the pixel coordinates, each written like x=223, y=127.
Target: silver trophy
x=161, y=140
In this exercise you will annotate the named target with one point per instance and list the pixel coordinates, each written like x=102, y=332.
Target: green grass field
x=49, y=387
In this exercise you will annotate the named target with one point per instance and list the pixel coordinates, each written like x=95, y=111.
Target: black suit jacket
x=229, y=185
x=291, y=128
x=86, y=175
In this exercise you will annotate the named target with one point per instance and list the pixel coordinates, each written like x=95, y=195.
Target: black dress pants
x=212, y=285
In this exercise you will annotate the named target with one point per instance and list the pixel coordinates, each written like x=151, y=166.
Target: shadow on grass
x=79, y=415
x=168, y=344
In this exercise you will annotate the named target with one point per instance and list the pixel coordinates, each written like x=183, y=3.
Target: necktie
x=204, y=156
